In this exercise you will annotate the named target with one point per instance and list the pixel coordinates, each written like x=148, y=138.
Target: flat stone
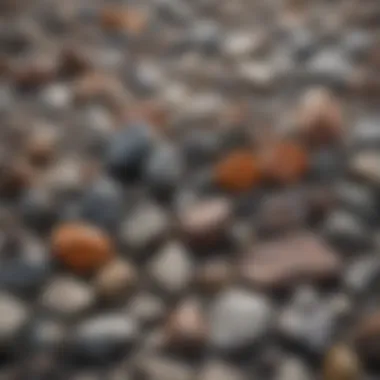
x=285, y=261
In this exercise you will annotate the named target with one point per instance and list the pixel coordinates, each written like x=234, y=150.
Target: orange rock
x=320, y=117
x=82, y=248
x=284, y=162
x=237, y=172
x=116, y=18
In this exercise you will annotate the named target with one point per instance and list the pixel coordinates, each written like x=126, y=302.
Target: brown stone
x=341, y=363
x=41, y=147
x=80, y=247
x=186, y=328
x=73, y=61
x=213, y=276
x=285, y=261
x=320, y=117
x=237, y=172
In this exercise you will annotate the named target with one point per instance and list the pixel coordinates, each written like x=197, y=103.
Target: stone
x=327, y=164
x=365, y=166
x=186, y=328
x=146, y=308
x=366, y=134
x=341, y=363
x=219, y=370
x=13, y=318
x=172, y=255
x=285, y=261
x=81, y=247
x=238, y=319
x=145, y=227
x=237, y=172
x=45, y=334
x=284, y=163
x=205, y=222
x=67, y=297
x=292, y=369
x=308, y=321
x=346, y=232
x=116, y=280
x=103, y=337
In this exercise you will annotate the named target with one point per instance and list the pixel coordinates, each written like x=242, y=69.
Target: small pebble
x=220, y=370
x=80, y=247
x=147, y=309
x=365, y=166
x=293, y=369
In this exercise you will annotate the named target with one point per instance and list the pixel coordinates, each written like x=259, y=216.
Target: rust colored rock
x=320, y=117
x=285, y=261
x=120, y=18
x=284, y=162
x=341, y=363
x=186, y=328
x=238, y=172
x=81, y=247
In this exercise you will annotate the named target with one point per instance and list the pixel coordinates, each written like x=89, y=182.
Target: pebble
x=145, y=227
x=81, y=247
x=219, y=370
x=285, y=261
x=160, y=268
x=345, y=231
x=284, y=163
x=237, y=172
x=127, y=152
x=46, y=334
x=292, y=368
x=366, y=134
x=238, y=319
x=308, y=321
x=365, y=166
x=341, y=363
x=327, y=164
x=13, y=318
x=186, y=328
x=102, y=204
x=163, y=171
x=320, y=117
x=147, y=308
x=205, y=222
x=116, y=280
x=56, y=97
x=67, y=297
x=103, y=337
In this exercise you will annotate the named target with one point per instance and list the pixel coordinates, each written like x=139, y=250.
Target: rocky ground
x=189, y=189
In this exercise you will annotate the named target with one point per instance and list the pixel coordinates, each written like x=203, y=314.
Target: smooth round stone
x=163, y=171
x=104, y=337
x=238, y=319
x=102, y=204
x=292, y=369
x=56, y=97
x=127, y=151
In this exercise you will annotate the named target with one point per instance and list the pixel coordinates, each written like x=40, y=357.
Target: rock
x=102, y=338
x=341, y=363
x=127, y=151
x=357, y=44
x=346, y=232
x=163, y=171
x=145, y=227
x=102, y=204
x=81, y=247
x=285, y=261
x=205, y=222
x=56, y=97
x=67, y=297
x=283, y=163
x=157, y=368
x=365, y=166
x=213, y=276
x=205, y=36
x=219, y=370
x=13, y=318
x=146, y=308
x=172, y=255
x=308, y=322
x=320, y=118
x=327, y=164
x=45, y=334
x=366, y=134
x=186, y=328
x=292, y=369
x=238, y=319
x=237, y=172
x=116, y=280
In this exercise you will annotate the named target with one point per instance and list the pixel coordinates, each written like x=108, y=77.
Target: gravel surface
x=189, y=189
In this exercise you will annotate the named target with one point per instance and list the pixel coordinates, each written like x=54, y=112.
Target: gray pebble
x=238, y=319
x=160, y=268
x=46, y=334
x=56, y=97
x=146, y=308
x=218, y=370
x=366, y=134
x=292, y=368
x=67, y=297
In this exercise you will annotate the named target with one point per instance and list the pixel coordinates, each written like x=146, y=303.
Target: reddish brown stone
x=120, y=18
x=284, y=262
x=284, y=162
x=81, y=247
x=73, y=61
x=238, y=172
